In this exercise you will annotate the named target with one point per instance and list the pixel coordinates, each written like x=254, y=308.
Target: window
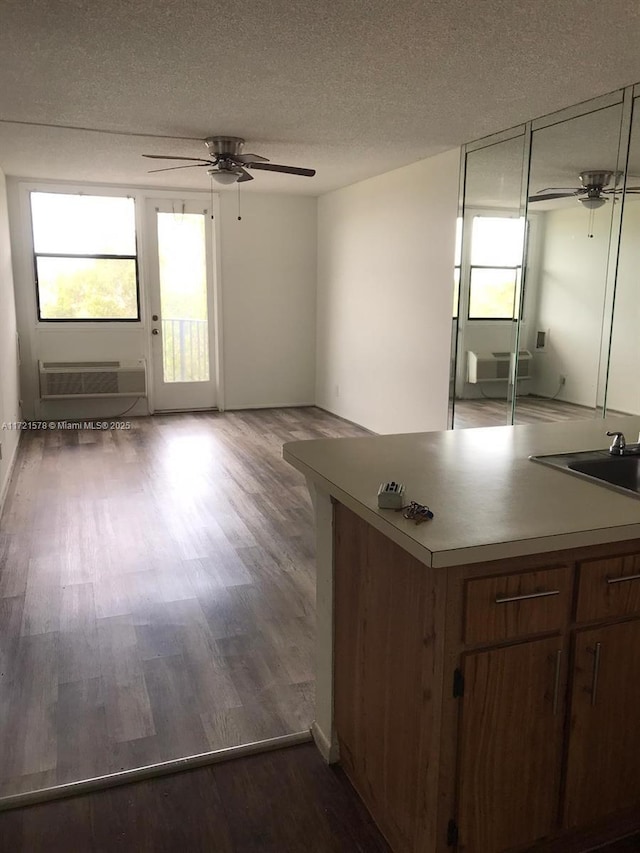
x=495, y=268
x=85, y=257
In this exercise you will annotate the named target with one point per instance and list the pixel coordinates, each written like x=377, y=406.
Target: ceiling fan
x=593, y=191
x=227, y=164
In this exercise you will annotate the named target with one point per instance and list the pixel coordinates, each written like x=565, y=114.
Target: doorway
x=181, y=251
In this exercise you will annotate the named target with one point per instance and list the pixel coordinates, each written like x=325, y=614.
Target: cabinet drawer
x=508, y=606
x=608, y=588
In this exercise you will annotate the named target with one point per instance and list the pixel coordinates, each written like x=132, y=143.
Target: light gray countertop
x=489, y=499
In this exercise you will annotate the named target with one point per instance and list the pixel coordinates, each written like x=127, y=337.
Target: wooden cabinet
x=510, y=606
x=489, y=708
x=603, y=766
x=510, y=746
x=381, y=618
x=608, y=588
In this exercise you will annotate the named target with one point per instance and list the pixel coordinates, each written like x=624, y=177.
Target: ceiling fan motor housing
x=223, y=147
x=593, y=178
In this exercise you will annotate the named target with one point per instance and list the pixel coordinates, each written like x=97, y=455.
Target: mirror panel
x=488, y=269
x=623, y=380
x=574, y=187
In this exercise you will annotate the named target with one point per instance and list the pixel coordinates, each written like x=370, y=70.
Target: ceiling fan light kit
x=226, y=178
x=592, y=203
x=227, y=164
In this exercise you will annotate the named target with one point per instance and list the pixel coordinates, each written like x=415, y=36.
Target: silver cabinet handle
x=623, y=579
x=505, y=599
x=596, y=672
x=556, y=683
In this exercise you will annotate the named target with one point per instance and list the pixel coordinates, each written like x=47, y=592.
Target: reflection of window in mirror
x=457, y=265
x=495, y=267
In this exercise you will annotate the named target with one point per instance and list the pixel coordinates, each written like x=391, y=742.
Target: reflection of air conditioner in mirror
x=64, y=380
x=496, y=366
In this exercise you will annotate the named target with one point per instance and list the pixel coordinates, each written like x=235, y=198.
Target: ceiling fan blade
x=289, y=170
x=562, y=190
x=551, y=196
x=173, y=168
x=171, y=157
x=244, y=176
x=249, y=158
x=620, y=190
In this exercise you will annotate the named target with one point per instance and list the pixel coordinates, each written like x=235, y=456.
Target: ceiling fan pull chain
x=591, y=217
x=239, y=217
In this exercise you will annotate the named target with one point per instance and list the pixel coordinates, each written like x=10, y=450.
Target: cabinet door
x=511, y=746
x=603, y=770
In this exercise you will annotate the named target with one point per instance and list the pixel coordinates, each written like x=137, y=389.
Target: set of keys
x=417, y=512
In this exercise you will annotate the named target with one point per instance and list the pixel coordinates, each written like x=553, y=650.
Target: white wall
x=267, y=265
x=385, y=290
x=268, y=270
x=9, y=389
x=571, y=301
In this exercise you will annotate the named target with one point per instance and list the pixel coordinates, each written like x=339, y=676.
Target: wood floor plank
x=139, y=752
x=128, y=708
x=78, y=645
x=11, y=609
x=42, y=598
x=82, y=740
x=14, y=562
x=177, y=724
x=28, y=735
x=33, y=830
x=158, y=637
x=252, y=721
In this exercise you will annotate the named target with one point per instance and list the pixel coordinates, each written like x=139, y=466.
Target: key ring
x=417, y=512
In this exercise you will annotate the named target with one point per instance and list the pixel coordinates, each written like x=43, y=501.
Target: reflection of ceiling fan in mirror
x=227, y=164
x=592, y=193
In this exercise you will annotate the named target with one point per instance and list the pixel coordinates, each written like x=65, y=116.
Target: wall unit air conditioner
x=496, y=366
x=66, y=380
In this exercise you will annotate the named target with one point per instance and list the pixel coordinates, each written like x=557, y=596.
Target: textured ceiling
x=351, y=89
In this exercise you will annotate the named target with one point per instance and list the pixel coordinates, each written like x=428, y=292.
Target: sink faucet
x=619, y=446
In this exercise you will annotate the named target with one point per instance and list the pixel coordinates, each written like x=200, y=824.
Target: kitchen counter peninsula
x=478, y=675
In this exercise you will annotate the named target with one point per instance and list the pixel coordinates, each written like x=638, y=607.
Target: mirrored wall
x=547, y=306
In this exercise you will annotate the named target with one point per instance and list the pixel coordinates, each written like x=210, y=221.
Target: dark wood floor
x=287, y=801
x=280, y=802
x=529, y=410
x=157, y=592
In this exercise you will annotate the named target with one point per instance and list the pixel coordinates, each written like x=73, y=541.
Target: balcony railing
x=185, y=348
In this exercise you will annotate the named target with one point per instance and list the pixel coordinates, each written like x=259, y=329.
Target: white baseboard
x=4, y=487
x=346, y=420
x=242, y=407
x=327, y=750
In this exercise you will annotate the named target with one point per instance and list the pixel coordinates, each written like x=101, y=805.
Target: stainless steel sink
x=621, y=473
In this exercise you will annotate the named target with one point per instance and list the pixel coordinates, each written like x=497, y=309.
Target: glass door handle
x=155, y=331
